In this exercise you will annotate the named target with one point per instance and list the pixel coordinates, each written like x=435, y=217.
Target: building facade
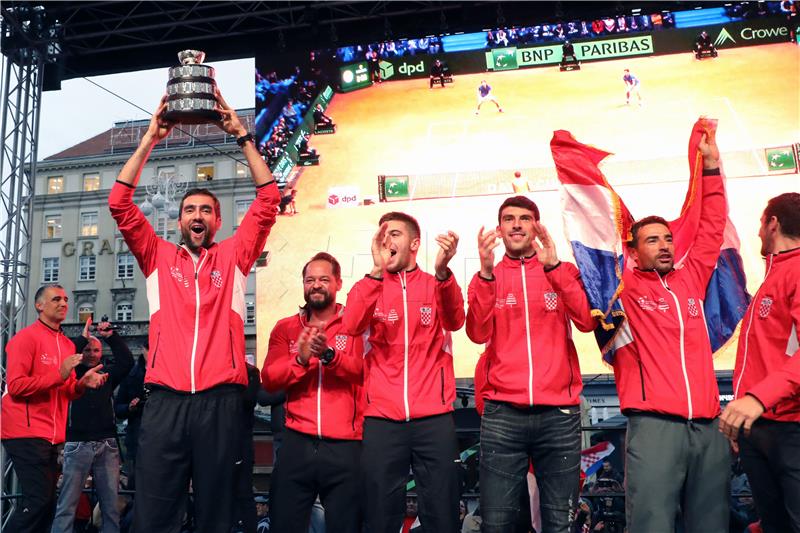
x=76, y=243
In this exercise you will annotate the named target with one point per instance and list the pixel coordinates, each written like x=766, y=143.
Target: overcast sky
x=81, y=110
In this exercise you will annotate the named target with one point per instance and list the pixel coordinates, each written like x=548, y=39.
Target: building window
x=50, y=268
x=205, y=171
x=55, y=184
x=164, y=222
x=242, y=170
x=87, y=267
x=250, y=313
x=241, y=210
x=91, y=182
x=125, y=266
x=123, y=312
x=166, y=171
x=52, y=226
x=85, y=311
x=88, y=224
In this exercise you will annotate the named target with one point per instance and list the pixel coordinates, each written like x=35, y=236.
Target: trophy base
x=197, y=116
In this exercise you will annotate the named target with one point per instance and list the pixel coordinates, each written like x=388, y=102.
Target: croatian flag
x=597, y=224
x=592, y=458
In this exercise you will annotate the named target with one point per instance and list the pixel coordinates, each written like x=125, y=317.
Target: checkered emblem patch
x=550, y=301
x=764, y=307
x=425, y=315
x=341, y=342
x=694, y=311
x=216, y=278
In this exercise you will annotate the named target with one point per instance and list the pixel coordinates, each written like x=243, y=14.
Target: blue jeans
x=512, y=437
x=101, y=458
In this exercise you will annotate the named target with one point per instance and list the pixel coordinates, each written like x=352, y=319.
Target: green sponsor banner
x=504, y=58
x=354, y=76
x=630, y=46
x=781, y=158
x=396, y=187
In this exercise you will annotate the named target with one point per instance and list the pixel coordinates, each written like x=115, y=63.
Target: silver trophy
x=190, y=90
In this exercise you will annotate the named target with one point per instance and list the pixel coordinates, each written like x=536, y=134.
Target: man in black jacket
x=129, y=405
x=91, y=444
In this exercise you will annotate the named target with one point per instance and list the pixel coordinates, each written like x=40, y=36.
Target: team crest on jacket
x=46, y=359
x=550, y=301
x=426, y=315
x=694, y=312
x=178, y=275
x=341, y=342
x=646, y=303
x=216, y=278
x=764, y=307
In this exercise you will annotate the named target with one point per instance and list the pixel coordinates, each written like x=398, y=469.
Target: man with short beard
x=766, y=379
x=196, y=367
x=410, y=384
x=675, y=457
x=320, y=368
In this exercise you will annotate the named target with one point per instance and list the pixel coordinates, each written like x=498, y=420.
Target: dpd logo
x=386, y=69
x=409, y=69
x=333, y=199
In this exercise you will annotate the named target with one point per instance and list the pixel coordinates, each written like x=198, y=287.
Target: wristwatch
x=245, y=138
x=327, y=356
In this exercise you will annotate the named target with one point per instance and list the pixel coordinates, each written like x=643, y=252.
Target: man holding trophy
x=196, y=366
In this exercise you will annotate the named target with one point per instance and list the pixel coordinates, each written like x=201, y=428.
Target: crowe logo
x=723, y=38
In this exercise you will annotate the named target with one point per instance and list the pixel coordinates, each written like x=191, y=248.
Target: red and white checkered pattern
x=341, y=342
x=550, y=301
x=425, y=315
x=764, y=307
x=694, y=312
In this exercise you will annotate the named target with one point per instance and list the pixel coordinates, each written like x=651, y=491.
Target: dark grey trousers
x=676, y=467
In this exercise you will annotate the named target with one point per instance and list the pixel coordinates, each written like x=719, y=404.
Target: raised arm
x=481, y=290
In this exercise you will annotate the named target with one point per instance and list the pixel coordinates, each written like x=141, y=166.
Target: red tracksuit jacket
x=321, y=400
x=197, y=310
x=523, y=316
x=668, y=367
x=768, y=358
x=36, y=399
x=408, y=366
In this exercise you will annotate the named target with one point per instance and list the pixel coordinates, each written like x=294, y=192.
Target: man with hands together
x=409, y=379
x=40, y=382
x=522, y=309
x=763, y=421
x=320, y=368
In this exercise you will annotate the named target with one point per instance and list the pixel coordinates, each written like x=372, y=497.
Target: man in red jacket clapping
x=40, y=382
x=766, y=378
x=320, y=368
x=409, y=379
x=522, y=310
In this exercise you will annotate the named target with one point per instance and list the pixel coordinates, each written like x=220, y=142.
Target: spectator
x=128, y=405
x=411, y=522
x=608, y=472
x=262, y=513
x=290, y=113
x=91, y=439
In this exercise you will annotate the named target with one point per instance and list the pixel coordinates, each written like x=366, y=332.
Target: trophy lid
x=191, y=57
